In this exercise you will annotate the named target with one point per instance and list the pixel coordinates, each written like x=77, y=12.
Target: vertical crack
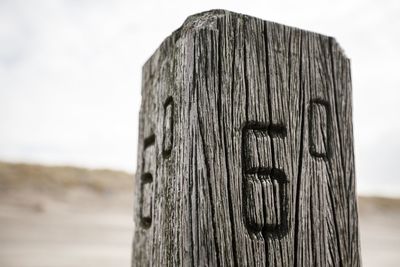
x=300, y=166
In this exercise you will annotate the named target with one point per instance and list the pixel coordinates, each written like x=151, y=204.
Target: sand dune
x=68, y=217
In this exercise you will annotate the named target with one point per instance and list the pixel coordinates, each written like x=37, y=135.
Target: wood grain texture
x=245, y=154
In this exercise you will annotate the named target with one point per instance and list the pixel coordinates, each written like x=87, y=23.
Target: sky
x=70, y=76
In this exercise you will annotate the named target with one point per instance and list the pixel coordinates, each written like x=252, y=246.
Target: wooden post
x=245, y=153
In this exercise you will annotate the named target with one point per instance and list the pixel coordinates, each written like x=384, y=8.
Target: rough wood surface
x=245, y=153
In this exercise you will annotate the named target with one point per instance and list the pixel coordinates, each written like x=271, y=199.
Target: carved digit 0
x=168, y=127
x=319, y=123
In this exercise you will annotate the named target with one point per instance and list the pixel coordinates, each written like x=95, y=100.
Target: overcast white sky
x=70, y=75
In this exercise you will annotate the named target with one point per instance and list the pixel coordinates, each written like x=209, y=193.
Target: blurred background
x=70, y=79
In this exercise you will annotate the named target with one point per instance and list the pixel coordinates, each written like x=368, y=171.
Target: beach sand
x=84, y=222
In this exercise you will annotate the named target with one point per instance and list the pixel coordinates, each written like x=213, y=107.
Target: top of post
x=209, y=20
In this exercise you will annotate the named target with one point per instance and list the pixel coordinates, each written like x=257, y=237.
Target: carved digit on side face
x=146, y=181
x=146, y=191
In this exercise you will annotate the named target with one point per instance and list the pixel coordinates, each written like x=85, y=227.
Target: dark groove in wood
x=194, y=89
x=300, y=166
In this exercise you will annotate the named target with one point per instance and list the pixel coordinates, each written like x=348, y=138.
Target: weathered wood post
x=245, y=151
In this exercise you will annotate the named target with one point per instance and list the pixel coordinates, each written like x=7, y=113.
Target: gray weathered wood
x=245, y=153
